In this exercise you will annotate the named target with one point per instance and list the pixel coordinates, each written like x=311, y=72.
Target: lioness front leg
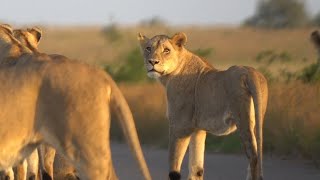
x=196, y=155
x=178, y=143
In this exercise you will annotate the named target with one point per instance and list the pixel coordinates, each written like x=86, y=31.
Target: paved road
x=217, y=166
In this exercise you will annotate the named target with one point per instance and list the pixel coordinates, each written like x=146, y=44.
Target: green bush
x=225, y=144
x=205, y=53
x=287, y=76
x=269, y=56
x=310, y=73
x=267, y=74
x=128, y=68
x=279, y=14
x=316, y=20
x=112, y=33
x=155, y=21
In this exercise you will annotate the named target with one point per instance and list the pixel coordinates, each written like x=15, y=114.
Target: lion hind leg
x=48, y=154
x=196, y=155
x=21, y=170
x=33, y=165
x=7, y=174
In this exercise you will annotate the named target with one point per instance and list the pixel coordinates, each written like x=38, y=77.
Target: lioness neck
x=13, y=50
x=190, y=67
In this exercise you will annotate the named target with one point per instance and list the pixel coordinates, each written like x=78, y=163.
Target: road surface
x=217, y=166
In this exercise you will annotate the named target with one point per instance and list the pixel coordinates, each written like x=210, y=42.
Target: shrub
x=310, y=73
x=112, y=33
x=316, y=20
x=269, y=56
x=279, y=14
x=205, y=53
x=155, y=21
x=128, y=67
x=267, y=74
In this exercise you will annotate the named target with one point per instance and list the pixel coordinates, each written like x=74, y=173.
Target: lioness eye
x=166, y=50
x=148, y=49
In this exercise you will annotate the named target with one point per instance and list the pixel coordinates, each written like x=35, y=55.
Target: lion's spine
x=124, y=115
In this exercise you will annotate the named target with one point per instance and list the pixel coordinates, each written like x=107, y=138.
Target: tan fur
x=31, y=38
x=63, y=103
x=203, y=99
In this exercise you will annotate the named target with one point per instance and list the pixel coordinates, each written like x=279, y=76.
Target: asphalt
x=217, y=166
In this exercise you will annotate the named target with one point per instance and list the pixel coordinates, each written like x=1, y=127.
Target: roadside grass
x=292, y=125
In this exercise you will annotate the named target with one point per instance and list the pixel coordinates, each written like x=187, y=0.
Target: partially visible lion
x=62, y=103
x=203, y=99
x=315, y=37
x=30, y=38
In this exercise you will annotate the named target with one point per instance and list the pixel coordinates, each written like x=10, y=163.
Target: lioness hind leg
x=33, y=165
x=21, y=171
x=7, y=174
x=48, y=154
x=196, y=155
x=96, y=163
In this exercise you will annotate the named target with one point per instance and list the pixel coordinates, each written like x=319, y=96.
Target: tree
x=279, y=14
x=316, y=20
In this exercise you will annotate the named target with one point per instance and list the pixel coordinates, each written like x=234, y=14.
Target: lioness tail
x=124, y=115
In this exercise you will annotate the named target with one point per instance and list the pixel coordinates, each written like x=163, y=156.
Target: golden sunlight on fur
x=203, y=99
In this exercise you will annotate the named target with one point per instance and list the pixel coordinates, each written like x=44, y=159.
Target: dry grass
x=292, y=125
x=231, y=45
x=148, y=105
x=292, y=121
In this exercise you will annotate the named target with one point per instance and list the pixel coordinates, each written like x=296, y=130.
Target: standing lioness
x=203, y=99
x=63, y=103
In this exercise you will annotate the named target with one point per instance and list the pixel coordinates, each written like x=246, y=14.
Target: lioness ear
x=36, y=32
x=7, y=27
x=142, y=39
x=315, y=37
x=179, y=39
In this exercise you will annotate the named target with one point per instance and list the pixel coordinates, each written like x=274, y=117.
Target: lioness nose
x=153, y=61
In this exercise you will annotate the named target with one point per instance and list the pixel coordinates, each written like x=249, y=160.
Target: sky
x=102, y=12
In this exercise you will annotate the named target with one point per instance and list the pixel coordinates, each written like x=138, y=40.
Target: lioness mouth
x=153, y=70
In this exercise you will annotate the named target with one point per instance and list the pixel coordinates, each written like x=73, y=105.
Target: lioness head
x=5, y=34
x=162, y=53
x=29, y=37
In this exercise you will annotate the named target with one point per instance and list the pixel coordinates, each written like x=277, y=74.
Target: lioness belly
x=220, y=125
